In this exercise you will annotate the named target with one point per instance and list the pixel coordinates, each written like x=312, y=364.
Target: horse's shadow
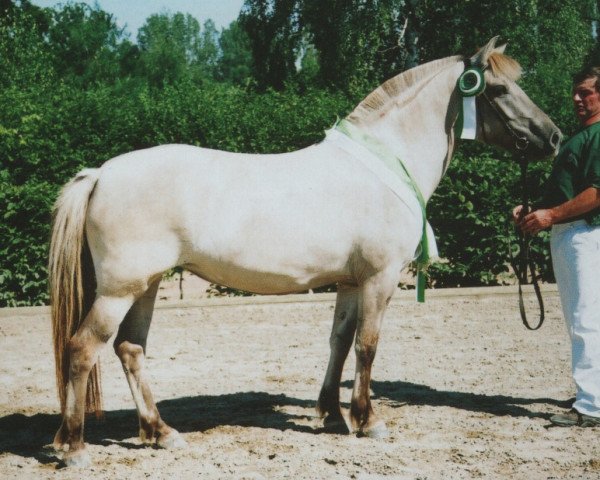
x=28, y=436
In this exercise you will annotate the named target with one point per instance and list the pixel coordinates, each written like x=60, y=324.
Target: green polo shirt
x=575, y=168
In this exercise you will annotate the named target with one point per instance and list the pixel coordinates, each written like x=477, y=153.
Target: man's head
x=586, y=95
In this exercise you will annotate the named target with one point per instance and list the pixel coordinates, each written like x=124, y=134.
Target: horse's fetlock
x=147, y=434
x=359, y=413
x=61, y=438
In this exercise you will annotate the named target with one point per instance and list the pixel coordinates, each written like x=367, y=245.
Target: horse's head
x=508, y=117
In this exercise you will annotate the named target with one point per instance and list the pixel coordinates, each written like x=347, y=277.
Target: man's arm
x=541, y=219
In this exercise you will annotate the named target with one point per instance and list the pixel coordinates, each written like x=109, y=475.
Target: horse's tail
x=72, y=280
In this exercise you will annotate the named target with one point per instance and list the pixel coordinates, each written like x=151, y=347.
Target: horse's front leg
x=342, y=334
x=375, y=296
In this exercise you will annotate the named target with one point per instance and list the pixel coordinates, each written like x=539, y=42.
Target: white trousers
x=575, y=248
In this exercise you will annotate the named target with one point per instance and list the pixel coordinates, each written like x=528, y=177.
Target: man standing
x=571, y=206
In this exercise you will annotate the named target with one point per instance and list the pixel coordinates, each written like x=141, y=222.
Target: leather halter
x=521, y=142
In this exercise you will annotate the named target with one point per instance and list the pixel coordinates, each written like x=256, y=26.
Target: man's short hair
x=588, y=72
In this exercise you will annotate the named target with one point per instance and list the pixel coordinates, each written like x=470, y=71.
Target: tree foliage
x=84, y=43
x=76, y=90
x=272, y=29
x=358, y=43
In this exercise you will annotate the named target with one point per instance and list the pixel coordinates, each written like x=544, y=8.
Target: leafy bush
x=24, y=234
x=471, y=216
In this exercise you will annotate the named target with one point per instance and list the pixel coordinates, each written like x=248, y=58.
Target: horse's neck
x=419, y=131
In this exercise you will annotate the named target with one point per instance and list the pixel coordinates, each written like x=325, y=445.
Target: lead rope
x=524, y=261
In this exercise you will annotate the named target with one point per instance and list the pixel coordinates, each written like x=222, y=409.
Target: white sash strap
x=400, y=188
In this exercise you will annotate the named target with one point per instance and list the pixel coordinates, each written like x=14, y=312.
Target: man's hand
x=516, y=214
x=535, y=222
x=573, y=209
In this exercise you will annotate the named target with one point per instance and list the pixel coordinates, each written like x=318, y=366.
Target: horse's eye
x=498, y=90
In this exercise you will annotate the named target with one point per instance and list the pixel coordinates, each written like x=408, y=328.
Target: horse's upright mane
x=404, y=86
x=504, y=66
x=401, y=88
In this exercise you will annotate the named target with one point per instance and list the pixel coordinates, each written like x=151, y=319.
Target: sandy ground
x=465, y=390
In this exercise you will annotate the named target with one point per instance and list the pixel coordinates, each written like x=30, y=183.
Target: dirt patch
x=465, y=390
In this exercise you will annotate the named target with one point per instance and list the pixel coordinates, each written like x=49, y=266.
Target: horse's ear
x=480, y=59
x=500, y=49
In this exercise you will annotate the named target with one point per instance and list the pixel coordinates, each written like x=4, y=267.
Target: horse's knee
x=365, y=352
x=341, y=338
x=343, y=329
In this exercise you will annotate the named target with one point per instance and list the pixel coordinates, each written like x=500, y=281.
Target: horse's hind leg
x=342, y=334
x=130, y=346
x=98, y=326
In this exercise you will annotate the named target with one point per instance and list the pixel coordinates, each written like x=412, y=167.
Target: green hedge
x=47, y=136
x=470, y=213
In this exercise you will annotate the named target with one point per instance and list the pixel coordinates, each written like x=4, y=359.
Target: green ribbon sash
x=395, y=164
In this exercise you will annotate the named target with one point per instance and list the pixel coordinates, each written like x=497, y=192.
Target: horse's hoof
x=335, y=425
x=377, y=430
x=171, y=441
x=77, y=458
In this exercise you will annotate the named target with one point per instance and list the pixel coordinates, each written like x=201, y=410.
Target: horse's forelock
x=504, y=66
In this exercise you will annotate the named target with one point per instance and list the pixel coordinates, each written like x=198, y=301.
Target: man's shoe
x=574, y=419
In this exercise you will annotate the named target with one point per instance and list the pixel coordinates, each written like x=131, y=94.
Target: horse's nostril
x=555, y=139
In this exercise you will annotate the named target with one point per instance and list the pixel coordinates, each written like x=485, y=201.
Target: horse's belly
x=266, y=282
x=271, y=256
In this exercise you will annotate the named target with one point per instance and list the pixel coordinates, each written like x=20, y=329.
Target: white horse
x=269, y=224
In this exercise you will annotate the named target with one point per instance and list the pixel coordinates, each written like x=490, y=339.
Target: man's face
x=586, y=100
